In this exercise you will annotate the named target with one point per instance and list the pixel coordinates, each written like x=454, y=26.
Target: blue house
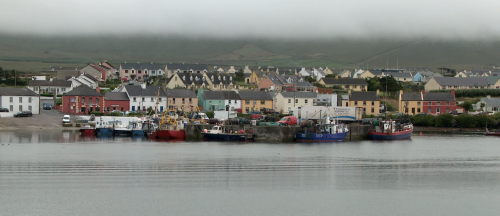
x=418, y=77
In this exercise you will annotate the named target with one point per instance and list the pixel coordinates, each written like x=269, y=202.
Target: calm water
x=60, y=173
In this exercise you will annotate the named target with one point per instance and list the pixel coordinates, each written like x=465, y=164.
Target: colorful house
x=82, y=100
x=116, y=101
x=255, y=100
x=412, y=101
x=346, y=83
x=436, y=103
x=368, y=101
x=181, y=99
x=418, y=77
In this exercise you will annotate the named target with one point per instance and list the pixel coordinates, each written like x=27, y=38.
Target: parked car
x=131, y=82
x=213, y=121
x=4, y=110
x=47, y=106
x=66, y=119
x=288, y=120
x=268, y=111
x=254, y=112
x=23, y=114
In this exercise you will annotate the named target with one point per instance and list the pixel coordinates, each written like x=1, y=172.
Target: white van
x=66, y=119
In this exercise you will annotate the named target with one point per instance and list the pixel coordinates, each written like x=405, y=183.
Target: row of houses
x=484, y=82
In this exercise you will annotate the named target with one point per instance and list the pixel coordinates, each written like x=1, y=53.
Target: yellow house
x=368, y=101
x=186, y=80
x=367, y=74
x=255, y=77
x=413, y=101
x=285, y=101
x=354, y=84
x=255, y=100
x=328, y=71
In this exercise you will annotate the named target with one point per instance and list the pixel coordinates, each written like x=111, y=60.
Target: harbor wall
x=273, y=133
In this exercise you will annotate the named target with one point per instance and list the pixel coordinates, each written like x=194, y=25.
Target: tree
x=240, y=74
x=444, y=120
x=466, y=120
x=467, y=105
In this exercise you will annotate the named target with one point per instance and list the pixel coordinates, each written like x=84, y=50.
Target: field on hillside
x=33, y=53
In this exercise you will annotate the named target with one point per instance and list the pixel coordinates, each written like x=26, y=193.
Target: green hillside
x=31, y=53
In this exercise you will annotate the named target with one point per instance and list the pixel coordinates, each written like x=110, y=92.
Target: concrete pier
x=273, y=133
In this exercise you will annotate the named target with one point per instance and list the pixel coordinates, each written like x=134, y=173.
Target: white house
x=18, y=99
x=53, y=86
x=84, y=79
x=285, y=101
x=305, y=72
x=143, y=97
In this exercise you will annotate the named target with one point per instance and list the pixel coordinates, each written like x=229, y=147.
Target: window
x=346, y=86
x=90, y=100
x=447, y=103
x=11, y=107
x=355, y=103
x=364, y=109
x=305, y=101
x=97, y=109
x=20, y=108
x=235, y=102
x=262, y=102
x=210, y=102
x=126, y=71
x=20, y=99
x=175, y=78
x=296, y=100
x=418, y=110
x=63, y=89
x=438, y=110
x=247, y=102
x=83, y=99
x=159, y=99
x=190, y=100
x=373, y=103
x=429, y=110
x=418, y=103
x=220, y=102
x=72, y=100
x=246, y=109
x=96, y=100
x=447, y=110
x=362, y=86
x=254, y=102
x=143, y=99
x=139, y=71
x=364, y=103
x=11, y=99
x=173, y=99
x=152, y=99
x=438, y=103
x=289, y=100
x=121, y=109
x=135, y=99
x=229, y=101
x=29, y=100
x=355, y=86
x=373, y=110
x=430, y=103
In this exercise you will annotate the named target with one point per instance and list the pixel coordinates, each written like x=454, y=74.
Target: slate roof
x=492, y=101
x=216, y=80
x=181, y=93
x=493, y=79
x=137, y=90
x=401, y=75
x=83, y=90
x=9, y=91
x=411, y=96
x=186, y=67
x=54, y=68
x=119, y=96
x=197, y=79
x=58, y=83
x=143, y=66
x=299, y=94
x=213, y=95
x=231, y=95
x=344, y=81
x=462, y=81
x=438, y=96
x=364, y=96
x=254, y=95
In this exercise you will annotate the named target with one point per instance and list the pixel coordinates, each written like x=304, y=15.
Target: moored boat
x=494, y=133
x=221, y=133
x=330, y=131
x=87, y=130
x=390, y=130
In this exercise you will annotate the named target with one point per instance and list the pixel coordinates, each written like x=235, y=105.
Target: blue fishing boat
x=330, y=131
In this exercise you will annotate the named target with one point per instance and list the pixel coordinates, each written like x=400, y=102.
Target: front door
x=133, y=108
x=438, y=111
x=413, y=110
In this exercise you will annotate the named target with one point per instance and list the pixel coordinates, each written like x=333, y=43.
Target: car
x=4, y=110
x=23, y=114
x=47, y=106
x=131, y=82
x=254, y=112
x=66, y=119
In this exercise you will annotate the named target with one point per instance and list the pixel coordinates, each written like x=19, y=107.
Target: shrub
x=114, y=114
x=443, y=120
x=210, y=114
x=466, y=120
x=97, y=113
x=3, y=85
x=58, y=101
x=47, y=95
x=484, y=120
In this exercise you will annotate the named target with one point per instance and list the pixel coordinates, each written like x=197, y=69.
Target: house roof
x=411, y=96
x=58, y=83
x=438, y=96
x=254, y=95
x=9, y=91
x=299, y=94
x=401, y=75
x=364, y=96
x=197, y=78
x=119, y=96
x=213, y=95
x=137, y=90
x=181, y=93
x=220, y=78
x=143, y=66
x=492, y=101
x=344, y=81
x=54, y=67
x=462, y=81
x=493, y=79
x=83, y=90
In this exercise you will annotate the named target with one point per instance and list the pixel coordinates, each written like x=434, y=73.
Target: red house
x=82, y=100
x=116, y=101
x=436, y=103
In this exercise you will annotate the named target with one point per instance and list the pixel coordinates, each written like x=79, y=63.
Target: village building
x=53, y=86
x=368, y=101
x=17, y=100
x=116, y=101
x=285, y=101
x=141, y=71
x=439, y=83
x=82, y=100
x=410, y=102
x=142, y=97
x=490, y=104
x=345, y=83
x=255, y=100
x=436, y=103
x=181, y=99
x=172, y=69
x=65, y=73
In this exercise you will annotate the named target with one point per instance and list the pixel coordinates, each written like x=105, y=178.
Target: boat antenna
x=386, y=105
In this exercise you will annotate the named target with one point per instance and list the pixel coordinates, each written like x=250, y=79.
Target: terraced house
x=139, y=71
x=368, y=101
x=411, y=102
x=82, y=100
x=353, y=84
x=255, y=100
x=181, y=99
x=143, y=97
x=439, y=83
x=285, y=101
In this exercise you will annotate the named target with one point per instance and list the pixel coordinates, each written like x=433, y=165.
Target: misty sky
x=312, y=19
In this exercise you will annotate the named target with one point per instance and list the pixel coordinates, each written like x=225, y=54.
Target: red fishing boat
x=87, y=131
x=495, y=133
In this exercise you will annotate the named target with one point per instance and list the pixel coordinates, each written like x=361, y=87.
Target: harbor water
x=62, y=173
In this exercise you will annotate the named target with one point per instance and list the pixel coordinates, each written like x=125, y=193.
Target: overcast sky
x=310, y=19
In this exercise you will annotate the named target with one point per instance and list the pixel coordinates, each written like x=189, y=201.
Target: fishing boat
x=494, y=133
x=120, y=128
x=103, y=128
x=136, y=128
x=171, y=126
x=87, y=130
x=221, y=133
x=330, y=131
x=390, y=130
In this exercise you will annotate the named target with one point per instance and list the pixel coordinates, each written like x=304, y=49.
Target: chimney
x=453, y=92
x=98, y=89
x=105, y=60
x=378, y=92
x=349, y=92
x=143, y=85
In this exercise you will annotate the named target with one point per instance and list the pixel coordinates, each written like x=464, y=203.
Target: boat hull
x=312, y=137
x=122, y=132
x=104, y=132
x=170, y=134
x=492, y=134
x=87, y=132
x=401, y=135
x=227, y=137
x=138, y=133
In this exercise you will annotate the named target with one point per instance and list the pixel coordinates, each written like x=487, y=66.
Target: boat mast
x=385, y=107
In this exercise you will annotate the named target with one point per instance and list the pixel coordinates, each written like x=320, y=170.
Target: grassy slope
x=75, y=51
